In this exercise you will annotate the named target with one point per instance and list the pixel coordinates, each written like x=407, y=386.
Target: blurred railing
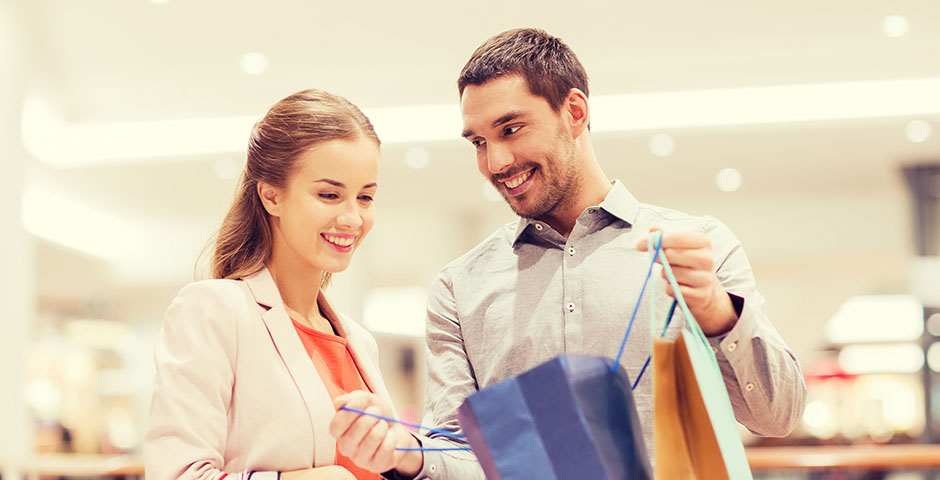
x=855, y=457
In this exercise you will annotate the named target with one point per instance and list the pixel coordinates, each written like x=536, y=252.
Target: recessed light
x=894, y=26
x=918, y=131
x=729, y=180
x=662, y=145
x=254, y=63
x=417, y=157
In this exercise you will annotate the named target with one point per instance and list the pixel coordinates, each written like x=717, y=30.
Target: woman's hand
x=331, y=472
x=370, y=442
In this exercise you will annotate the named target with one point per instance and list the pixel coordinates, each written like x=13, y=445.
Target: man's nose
x=498, y=158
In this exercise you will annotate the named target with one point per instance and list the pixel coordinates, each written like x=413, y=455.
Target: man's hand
x=371, y=442
x=690, y=256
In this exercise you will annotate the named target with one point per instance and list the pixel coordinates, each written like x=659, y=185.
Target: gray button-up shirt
x=526, y=294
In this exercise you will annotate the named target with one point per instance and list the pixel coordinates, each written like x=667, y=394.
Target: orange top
x=340, y=374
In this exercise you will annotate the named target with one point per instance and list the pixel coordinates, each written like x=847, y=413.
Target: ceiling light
x=254, y=63
x=894, y=26
x=417, y=157
x=899, y=358
x=765, y=105
x=68, y=222
x=662, y=145
x=877, y=318
x=918, y=131
x=53, y=141
x=729, y=180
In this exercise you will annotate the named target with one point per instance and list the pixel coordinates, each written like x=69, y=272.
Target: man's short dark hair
x=548, y=66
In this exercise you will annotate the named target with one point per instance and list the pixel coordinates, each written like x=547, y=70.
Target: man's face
x=522, y=145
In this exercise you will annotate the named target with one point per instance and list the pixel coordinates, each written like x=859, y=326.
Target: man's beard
x=560, y=180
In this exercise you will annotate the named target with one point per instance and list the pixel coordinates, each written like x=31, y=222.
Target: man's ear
x=271, y=198
x=576, y=105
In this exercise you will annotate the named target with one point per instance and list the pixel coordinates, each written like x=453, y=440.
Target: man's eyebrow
x=508, y=117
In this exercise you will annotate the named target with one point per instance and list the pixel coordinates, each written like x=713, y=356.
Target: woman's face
x=327, y=207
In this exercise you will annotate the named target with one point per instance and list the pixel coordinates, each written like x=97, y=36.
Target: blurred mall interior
x=812, y=129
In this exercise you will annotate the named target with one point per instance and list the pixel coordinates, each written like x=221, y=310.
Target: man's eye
x=511, y=130
x=478, y=143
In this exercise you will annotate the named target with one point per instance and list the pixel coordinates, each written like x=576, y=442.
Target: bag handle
x=654, y=245
x=690, y=321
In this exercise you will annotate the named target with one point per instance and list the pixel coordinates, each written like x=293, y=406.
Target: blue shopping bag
x=572, y=417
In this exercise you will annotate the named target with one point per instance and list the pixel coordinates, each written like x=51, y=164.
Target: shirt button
x=749, y=387
x=714, y=349
x=733, y=346
x=571, y=307
x=433, y=468
x=570, y=250
x=538, y=226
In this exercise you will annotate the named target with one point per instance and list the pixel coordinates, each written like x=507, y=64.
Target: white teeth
x=518, y=180
x=341, y=241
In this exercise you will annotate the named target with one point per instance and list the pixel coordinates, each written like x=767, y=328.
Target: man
x=565, y=277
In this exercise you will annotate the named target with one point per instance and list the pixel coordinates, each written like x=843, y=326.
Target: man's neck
x=563, y=218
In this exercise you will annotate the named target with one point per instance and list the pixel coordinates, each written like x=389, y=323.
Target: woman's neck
x=299, y=286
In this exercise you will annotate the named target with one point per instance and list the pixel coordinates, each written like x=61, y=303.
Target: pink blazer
x=234, y=388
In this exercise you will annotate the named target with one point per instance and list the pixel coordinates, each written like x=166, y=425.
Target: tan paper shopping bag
x=686, y=446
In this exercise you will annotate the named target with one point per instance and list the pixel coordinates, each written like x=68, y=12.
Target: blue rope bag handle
x=691, y=323
x=444, y=433
x=655, y=246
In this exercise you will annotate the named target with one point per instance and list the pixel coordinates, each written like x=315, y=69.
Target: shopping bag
x=696, y=436
x=572, y=417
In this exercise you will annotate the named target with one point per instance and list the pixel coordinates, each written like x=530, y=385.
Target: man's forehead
x=489, y=104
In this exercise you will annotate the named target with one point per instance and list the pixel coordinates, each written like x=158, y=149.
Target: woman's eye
x=328, y=196
x=366, y=198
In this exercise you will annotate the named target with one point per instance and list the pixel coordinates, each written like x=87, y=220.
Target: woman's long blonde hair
x=292, y=125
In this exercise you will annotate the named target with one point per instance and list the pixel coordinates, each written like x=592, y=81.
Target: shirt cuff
x=739, y=335
x=428, y=465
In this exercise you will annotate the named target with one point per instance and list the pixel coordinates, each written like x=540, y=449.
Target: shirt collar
x=619, y=202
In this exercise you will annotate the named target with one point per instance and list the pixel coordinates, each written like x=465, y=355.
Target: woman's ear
x=576, y=104
x=271, y=198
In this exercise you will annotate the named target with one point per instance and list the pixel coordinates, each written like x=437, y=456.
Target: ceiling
x=812, y=191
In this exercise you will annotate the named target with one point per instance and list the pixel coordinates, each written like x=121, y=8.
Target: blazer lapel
x=301, y=369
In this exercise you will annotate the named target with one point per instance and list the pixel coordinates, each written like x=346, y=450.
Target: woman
x=250, y=363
